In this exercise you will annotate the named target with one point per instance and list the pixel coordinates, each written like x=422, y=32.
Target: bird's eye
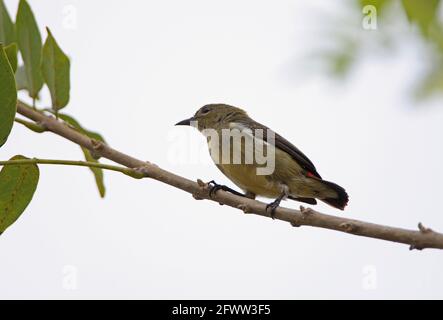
x=205, y=111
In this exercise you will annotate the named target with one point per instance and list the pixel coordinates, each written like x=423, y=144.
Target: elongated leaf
x=430, y=84
x=378, y=4
x=20, y=78
x=98, y=172
x=11, y=53
x=55, y=69
x=73, y=122
x=30, y=45
x=423, y=13
x=7, y=29
x=17, y=186
x=8, y=97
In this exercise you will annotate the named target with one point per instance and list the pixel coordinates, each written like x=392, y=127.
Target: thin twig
x=416, y=239
x=127, y=171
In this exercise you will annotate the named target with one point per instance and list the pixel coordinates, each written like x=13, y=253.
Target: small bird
x=293, y=177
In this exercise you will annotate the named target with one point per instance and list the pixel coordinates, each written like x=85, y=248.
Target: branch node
x=42, y=124
x=97, y=145
x=197, y=197
x=348, y=227
x=306, y=211
x=95, y=155
x=142, y=170
x=245, y=208
x=423, y=229
x=201, y=183
x=295, y=225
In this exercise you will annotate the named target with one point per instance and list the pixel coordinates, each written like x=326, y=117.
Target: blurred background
x=356, y=85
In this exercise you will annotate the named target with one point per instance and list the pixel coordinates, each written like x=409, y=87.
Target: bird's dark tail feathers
x=342, y=198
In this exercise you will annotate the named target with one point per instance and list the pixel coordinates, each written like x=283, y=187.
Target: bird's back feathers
x=287, y=147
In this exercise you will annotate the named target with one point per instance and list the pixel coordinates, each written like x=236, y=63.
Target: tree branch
x=127, y=171
x=419, y=239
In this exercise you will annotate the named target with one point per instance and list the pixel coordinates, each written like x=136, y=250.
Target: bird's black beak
x=186, y=122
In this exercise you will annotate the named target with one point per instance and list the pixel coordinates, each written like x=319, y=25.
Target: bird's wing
x=287, y=147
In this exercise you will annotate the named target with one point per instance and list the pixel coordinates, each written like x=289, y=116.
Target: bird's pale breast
x=245, y=174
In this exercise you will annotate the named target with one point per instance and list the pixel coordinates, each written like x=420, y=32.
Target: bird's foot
x=273, y=206
x=214, y=187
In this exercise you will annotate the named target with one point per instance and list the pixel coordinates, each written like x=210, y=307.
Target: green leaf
x=55, y=69
x=423, y=13
x=8, y=97
x=11, y=53
x=431, y=84
x=17, y=186
x=7, y=29
x=378, y=4
x=21, y=81
x=73, y=122
x=98, y=172
x=30, y=45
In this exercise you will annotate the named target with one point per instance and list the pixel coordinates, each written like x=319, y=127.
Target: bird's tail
x=341, y=200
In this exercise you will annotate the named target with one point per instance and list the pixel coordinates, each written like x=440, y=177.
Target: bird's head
x=214, y=116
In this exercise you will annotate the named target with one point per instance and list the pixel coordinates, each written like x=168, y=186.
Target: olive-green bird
x=294, y=176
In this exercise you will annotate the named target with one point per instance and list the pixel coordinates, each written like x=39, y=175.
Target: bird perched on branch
x=259, y=161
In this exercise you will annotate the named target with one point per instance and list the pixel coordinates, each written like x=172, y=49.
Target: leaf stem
x=127, y=171
x=31, y=126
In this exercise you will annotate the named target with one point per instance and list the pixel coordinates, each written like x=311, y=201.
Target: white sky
x=141, y=66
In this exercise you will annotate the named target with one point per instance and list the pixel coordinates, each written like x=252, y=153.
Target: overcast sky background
x=138, y=67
